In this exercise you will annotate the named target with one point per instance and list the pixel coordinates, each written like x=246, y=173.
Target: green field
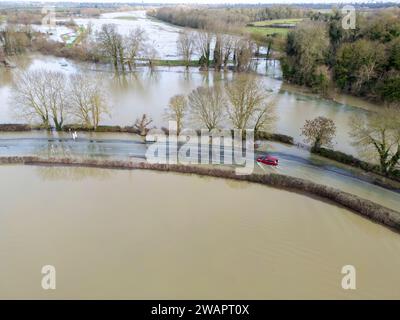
x=267, y=31
x=276, y=21
x=262, y=27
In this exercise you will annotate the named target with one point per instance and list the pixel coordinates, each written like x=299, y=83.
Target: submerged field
x=128, y=234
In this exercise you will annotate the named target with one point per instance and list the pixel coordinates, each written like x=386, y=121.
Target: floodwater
x=128, y=147
x=149, y=92
x=128, y=234
x=161, y=36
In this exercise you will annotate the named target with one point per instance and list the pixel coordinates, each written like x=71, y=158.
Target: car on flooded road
x=268, y=160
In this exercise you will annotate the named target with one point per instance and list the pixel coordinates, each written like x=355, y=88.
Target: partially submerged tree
x=87, y=100
x=207, y=106
x=243, y=53
x=142, y=124
x=186, y=46
x=319, y=132
x=13, y=41
x=135, y=44
x=378, y=137
x=227, y=46
x=41, y=95
x=177, y=110
x=111, y=45
x=203, y=44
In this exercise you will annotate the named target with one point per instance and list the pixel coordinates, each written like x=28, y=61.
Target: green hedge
x=262, y=135
x=353, y=161
x=365, y=207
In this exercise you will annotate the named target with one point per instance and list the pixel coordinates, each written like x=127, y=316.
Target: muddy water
x=149, y=92
x=123, y=234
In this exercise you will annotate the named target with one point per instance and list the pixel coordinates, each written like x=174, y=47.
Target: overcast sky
x=216, y=1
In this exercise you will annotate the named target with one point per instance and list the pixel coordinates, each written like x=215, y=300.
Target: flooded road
x=129, y=234
x=148, y=235
x=144, y=91
x=292, y=160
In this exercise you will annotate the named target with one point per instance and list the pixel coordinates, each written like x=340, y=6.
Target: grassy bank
x=175, y=63
x=364, y=207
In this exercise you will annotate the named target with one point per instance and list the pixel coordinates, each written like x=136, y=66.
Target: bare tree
x=13, y=41
x=111, y=45
x=227, y=46
x=218, y=55
x=40, y=95
x=186, y=45
x=203, y=44
x=264, y=117
x=245, y=96
x=135, y=45
x=142, y=124
x=319, y=132
x=378, y=137
x=243, y=53
x=207, y=106
x=150, y=54
x=177, y=110
x=87, y=100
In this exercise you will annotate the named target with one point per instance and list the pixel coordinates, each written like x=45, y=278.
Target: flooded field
x=141, y=234
x=128, y=234
x=149, y=92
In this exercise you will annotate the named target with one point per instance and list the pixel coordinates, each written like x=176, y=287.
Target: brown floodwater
x=142, y=234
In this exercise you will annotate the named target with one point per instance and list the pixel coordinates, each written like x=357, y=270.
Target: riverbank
x=373, y=211
x=336, y=97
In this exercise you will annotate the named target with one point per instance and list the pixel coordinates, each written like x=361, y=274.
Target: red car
x=268, y=160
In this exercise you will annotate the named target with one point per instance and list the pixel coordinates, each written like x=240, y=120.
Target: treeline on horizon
x=364, y=61
x=203, y=17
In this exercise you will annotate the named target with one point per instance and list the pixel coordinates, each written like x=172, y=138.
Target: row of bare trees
x=124, y=51
x=243, y=101
x=14, y=40
x=50, y=97
x=227, y=49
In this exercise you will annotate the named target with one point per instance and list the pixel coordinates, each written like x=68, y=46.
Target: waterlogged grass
x=126, y=18
x=265, y=31
x=275, y=22
x=175, y=63
x=268, y=27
